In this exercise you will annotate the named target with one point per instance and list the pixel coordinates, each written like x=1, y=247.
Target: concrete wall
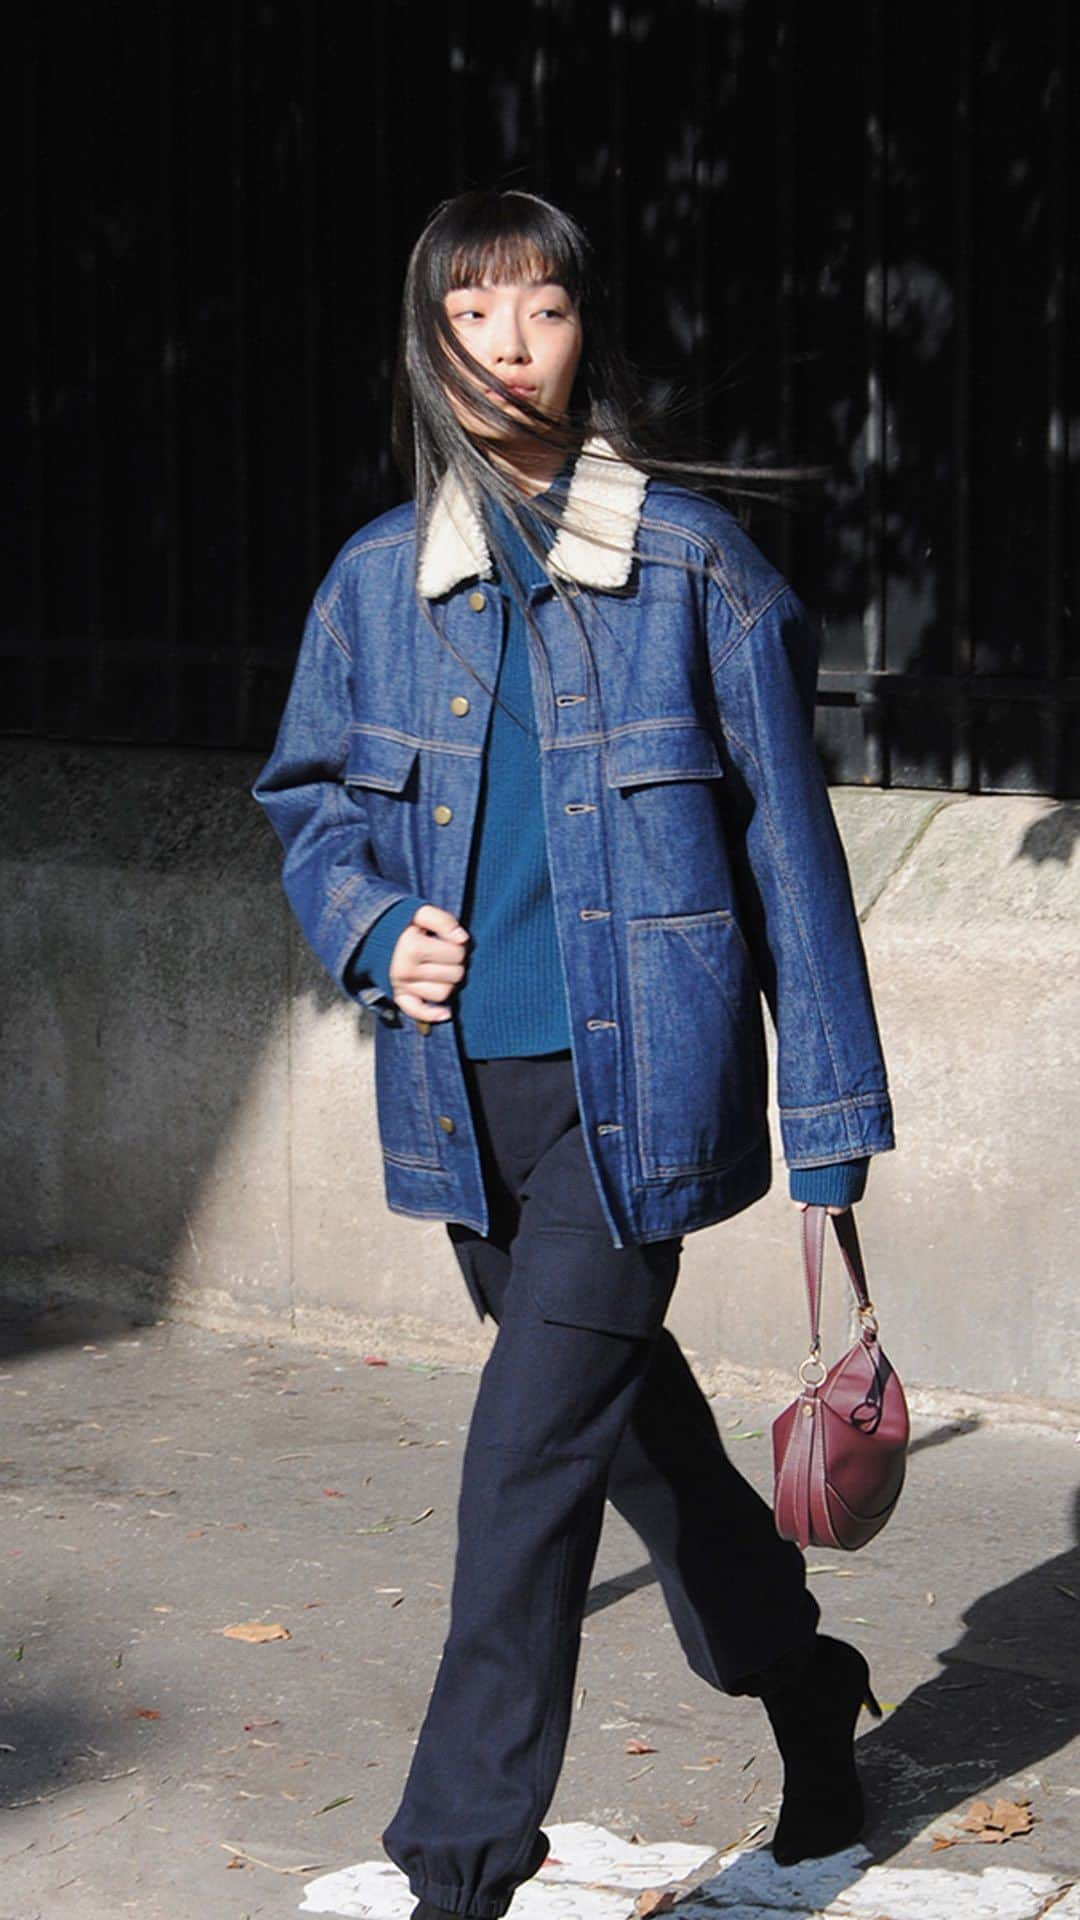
x=188, y=1115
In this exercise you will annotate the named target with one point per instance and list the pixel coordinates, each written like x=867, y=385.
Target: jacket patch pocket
x=699, y=1045
x=402, y=1099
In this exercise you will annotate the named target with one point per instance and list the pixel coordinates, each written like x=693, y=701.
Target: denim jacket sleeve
x=794, y=887
x=329, y=873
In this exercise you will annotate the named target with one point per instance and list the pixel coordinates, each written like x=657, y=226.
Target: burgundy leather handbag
x=840, y=1449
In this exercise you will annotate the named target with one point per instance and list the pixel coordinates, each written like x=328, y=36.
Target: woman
x=551, y=809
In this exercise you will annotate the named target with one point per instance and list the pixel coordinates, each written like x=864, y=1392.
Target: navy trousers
x=584, y=1396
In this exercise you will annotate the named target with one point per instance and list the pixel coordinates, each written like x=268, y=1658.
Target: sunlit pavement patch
x=565, y=1888
x=593, y=1875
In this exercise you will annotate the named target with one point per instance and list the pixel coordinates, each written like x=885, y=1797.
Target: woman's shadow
x=1007, y=1697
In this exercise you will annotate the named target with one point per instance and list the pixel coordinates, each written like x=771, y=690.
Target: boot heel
x=870, y=1703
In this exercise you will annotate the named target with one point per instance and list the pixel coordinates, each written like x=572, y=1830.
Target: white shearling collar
x=594, y=546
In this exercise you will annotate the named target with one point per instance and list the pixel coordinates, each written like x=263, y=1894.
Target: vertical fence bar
x=37, y=370
x=386, y=267
x=99, y=130
x=619, y=41
x=875, y=316
x=1057, y=369
x=457, y=29
x=787, y=249
x=241, y=368
x=701, y=169
x=539, y=77
x=962, y=776
x=311, y=254
x=172, y=361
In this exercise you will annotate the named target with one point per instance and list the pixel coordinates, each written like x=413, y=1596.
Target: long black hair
x=500, y=236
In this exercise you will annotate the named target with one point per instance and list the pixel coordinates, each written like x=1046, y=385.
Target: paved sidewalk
x=161, y=1483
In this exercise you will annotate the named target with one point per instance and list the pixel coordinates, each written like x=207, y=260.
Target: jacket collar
x=593, y=548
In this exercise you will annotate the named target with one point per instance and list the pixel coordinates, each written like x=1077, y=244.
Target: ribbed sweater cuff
x=376, y=950
x=839, y=1185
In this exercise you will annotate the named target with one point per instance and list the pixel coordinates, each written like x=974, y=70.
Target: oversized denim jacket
x=694, y=859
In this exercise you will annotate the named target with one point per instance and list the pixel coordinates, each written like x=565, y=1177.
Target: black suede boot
x=813, y=1703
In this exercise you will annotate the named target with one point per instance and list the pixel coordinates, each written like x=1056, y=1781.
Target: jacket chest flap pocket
x=382, y=762
x=659, y=752
x=667, y=815
x=381, y=779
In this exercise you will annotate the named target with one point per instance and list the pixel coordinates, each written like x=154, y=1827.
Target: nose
x=507, y=340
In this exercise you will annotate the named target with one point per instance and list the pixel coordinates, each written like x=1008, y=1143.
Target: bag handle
x=813, y=1242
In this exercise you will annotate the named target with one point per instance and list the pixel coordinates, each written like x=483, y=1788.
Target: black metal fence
x=846, y=233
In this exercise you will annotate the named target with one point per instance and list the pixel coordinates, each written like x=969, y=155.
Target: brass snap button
x=446, y=1123
x=442, y=815
x=423, y=1026
x=459, y=704
x=477, y=602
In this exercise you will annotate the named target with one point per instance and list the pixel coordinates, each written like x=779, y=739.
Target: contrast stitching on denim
x=678, y=921
x=780, y=588
x=374, y=546
x=646, y=776
x=667, y=1174
x=717, y=570
x=415, y=1210
x=338, y=639
x=834, y=1106
x=364, y=730
x=605, y=736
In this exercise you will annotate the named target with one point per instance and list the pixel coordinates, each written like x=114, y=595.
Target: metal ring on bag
x=813, y=1360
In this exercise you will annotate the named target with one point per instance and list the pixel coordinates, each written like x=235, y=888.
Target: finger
x=419, y=1009
x=425, y=970
x=423, y=989
x=439, y=920
x=425, y=947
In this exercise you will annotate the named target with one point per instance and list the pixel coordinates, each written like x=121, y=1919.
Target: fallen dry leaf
x=688, y=1819
x=342, y=1800
x=653, y=1901
x=146, y=1713
x=305, y=1866
x=333, y=1493
x=374, y=1360
x=987, y=1825
x=395, y=1520
x=260, y=1720
x=639, y=1746
x=1003, y=1821
x=256, y=1631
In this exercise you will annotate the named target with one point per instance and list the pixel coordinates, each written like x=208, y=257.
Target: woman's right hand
x=427, y=963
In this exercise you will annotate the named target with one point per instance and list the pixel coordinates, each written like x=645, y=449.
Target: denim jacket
x=694, y=859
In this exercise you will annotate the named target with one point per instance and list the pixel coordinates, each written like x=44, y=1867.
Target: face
x=528, y=334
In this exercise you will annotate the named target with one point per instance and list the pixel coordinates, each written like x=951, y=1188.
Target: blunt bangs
x=495, y=238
